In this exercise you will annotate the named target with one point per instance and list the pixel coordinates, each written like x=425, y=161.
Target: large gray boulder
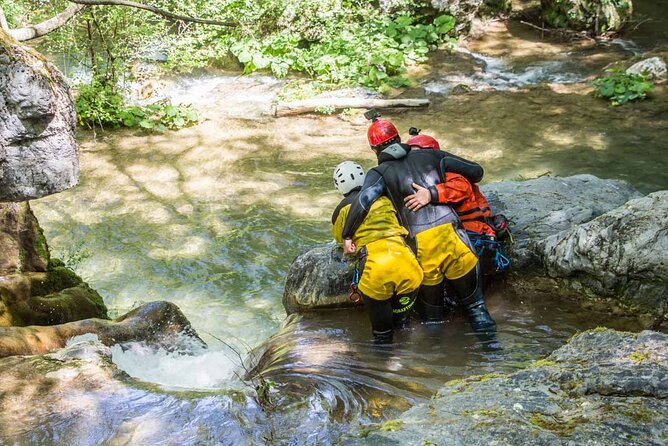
x=38, y=151
x=622, y=253
x=539, y=208
x=602, y=388
x=548, y=205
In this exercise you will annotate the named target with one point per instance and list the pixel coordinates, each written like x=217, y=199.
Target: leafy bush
x=620, y=88
x=100, y=104
x=374, y=54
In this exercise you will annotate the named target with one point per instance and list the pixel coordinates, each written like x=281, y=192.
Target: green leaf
x=244, y=56
x=145, y=123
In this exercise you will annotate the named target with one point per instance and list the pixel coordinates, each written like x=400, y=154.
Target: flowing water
x=211, y=217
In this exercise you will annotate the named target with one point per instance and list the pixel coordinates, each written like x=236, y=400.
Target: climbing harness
x=482, y=242
x=355, y=296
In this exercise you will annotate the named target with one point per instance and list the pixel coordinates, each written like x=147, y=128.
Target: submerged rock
x=622, y=253
x=653, y=68
x=595, y=16
x=156, y=322
x=38, y=151
x=538, y=208
x=604, y=387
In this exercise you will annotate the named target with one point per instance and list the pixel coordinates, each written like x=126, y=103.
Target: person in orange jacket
x=466, y=199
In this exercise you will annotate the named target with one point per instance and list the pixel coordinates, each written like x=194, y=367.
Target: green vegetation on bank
x=618, y=87
x=336, y=43
x=339, y=42
x=101, y=104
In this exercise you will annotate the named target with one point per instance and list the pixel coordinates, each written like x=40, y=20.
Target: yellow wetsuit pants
x=389, y=267
x=443, y=254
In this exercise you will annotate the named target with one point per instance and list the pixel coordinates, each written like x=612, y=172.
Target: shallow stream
x=211, y=217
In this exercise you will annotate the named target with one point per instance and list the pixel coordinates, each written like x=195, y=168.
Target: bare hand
x=349, y=247
x=419, y=199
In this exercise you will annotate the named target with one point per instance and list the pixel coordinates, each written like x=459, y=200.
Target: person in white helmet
x=389, y=272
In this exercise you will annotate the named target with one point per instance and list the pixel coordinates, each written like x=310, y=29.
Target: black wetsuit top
x=398, y=168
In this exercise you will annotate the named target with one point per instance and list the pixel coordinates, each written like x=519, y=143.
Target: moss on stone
x=638, y=357
x=561, y=428
x=493, y=413
x=543, y=363
x=56, y=279
x=392, y=425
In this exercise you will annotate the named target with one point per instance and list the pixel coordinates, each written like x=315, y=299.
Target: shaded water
x=210, y=218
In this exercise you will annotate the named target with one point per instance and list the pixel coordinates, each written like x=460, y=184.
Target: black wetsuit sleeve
x=373, y=187
x=471, y=170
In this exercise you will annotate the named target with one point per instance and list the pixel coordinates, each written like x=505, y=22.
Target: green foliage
x=620, y=88
x=100, y=104
x=373, y=54
x=336, y=42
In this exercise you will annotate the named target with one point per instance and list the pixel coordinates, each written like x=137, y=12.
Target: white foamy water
x=205, y=370
x=495, y=74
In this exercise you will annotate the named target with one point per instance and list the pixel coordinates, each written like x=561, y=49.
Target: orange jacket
x=467, y=200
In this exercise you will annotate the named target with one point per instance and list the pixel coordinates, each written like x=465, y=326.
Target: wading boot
x=469, y=291
x=430, y=303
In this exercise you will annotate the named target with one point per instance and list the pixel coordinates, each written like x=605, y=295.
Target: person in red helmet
x=442, y=250
x=382, y=133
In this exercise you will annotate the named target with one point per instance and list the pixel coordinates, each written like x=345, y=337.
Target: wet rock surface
x=538, y=208
x=602, y=388
x=621, y=253
x=38, y=152
x=654, y=68
x=157, y=322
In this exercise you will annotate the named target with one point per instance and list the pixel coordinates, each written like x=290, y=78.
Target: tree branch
x=34, y=31
x=3, y=21
x=152, y=9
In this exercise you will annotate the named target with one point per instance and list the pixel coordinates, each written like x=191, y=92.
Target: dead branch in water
x=312, y=105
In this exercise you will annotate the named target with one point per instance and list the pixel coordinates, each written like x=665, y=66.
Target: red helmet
x=424, y=142
x=380, y=132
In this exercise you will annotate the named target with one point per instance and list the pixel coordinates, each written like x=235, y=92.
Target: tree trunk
x=310, y=105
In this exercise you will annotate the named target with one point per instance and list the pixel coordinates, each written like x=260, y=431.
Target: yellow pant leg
x=389, y=267
x=443, y=254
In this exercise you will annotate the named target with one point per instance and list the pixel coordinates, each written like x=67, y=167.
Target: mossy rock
x=55, y=297
x=594, y=16
x=55, y=280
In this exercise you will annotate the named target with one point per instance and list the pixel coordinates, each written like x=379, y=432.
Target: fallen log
x=312, y=105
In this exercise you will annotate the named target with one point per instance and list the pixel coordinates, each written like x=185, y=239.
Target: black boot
x=430, y=303
x=402, y=307
x=382, y=337
x=469, y=291
x=380, y=315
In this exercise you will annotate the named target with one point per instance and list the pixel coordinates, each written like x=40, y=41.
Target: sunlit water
x=211, y=217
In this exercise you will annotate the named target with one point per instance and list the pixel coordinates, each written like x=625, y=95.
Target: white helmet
x=347, y=176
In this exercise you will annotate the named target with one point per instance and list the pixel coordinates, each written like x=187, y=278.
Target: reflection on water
x=332, y=353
